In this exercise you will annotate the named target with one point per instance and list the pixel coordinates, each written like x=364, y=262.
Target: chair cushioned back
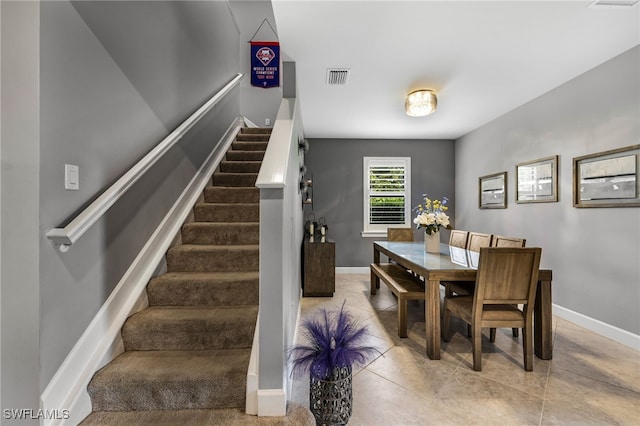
x=458, y=238
x=399, y=234
x=477, y=240
x=500, y=241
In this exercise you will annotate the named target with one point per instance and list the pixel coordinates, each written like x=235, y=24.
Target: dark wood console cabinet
x=318, y=267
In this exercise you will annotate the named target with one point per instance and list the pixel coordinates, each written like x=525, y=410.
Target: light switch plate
x=71, y=177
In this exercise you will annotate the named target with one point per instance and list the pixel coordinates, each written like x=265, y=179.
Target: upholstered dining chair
x=477, y=240
x=500, y=241
x=507, y=277
x=458, y=238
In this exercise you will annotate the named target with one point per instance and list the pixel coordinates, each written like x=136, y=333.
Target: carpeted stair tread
x=190, y=328
x=222, y=194
x=213, y=258
x=248, y=146
x=256, y=130
x=234, y=179
x=221, y=232
x=227, y=212
x=166, y=380
x=204, y=288
x=238, y=155
x=253, y=137
x=297, y=415
x=240, y=166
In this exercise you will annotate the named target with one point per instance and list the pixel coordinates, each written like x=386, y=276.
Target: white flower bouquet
x=431, y=215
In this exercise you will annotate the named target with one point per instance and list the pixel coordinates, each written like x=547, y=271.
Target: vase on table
x=432, y=242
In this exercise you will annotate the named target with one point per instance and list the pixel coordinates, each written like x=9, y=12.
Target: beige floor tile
x=583, y=412
x=412, y=371
x=594, y=356
x=509, y=372
x=378, y=401
x=574, y=399
x=564, y=384
x=452, y=411
x=469, y=384
x=586, y=340
x=621, y=372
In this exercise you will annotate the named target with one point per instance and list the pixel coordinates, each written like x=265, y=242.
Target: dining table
x=457, y=264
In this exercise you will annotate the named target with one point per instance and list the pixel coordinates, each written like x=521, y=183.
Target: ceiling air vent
x=337, y=76
x=610, y=4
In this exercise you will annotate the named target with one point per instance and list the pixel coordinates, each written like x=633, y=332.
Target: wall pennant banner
x=265, y=64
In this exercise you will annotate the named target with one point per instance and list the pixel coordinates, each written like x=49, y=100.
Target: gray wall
x=256, y=103
x=336, y=166
x=116, y=78
x=19, y=150
x=593, y=252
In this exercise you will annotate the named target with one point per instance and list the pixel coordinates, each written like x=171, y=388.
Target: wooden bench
x=401, y=283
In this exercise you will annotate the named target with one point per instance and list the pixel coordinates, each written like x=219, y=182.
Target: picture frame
x=607, y=179
x=537, y=181
x=492, y=191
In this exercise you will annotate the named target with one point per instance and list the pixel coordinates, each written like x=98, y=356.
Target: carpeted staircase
x=186, y=355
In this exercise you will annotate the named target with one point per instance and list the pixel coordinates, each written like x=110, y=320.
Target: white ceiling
x=482, y=58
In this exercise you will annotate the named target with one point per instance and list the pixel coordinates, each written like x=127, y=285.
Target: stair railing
x=66, y=236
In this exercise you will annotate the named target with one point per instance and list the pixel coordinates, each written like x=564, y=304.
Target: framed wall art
x=493, y=191
x=607, y=179
x=537, y=181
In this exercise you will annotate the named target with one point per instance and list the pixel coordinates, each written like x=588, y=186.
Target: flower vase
x=432, y=242
x=331, y=399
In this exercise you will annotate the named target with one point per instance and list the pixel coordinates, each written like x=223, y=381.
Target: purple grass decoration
x=335, y=341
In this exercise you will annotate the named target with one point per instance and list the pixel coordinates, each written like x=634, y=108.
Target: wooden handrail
x=68, y=235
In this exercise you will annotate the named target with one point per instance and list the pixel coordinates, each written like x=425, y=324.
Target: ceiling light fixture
x=420, y=103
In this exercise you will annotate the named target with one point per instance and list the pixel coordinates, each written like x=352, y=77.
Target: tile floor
x=590, y=381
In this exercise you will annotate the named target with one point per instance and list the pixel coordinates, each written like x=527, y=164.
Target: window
x=387, y=194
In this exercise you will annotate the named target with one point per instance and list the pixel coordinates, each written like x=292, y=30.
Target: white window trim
x=380, y=231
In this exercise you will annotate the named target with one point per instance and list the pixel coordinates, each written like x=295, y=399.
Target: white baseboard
x=251, y=406
x=272, y=403
x=614, y=333
x=101, y=341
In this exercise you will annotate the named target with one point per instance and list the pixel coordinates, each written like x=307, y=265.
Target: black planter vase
x=331, y=399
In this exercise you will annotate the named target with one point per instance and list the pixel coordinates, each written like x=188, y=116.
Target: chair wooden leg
x=476, y=340
x=514, y=331
x=492, y=334
x=527, y=347
x=374, y=278
x=402, y=317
